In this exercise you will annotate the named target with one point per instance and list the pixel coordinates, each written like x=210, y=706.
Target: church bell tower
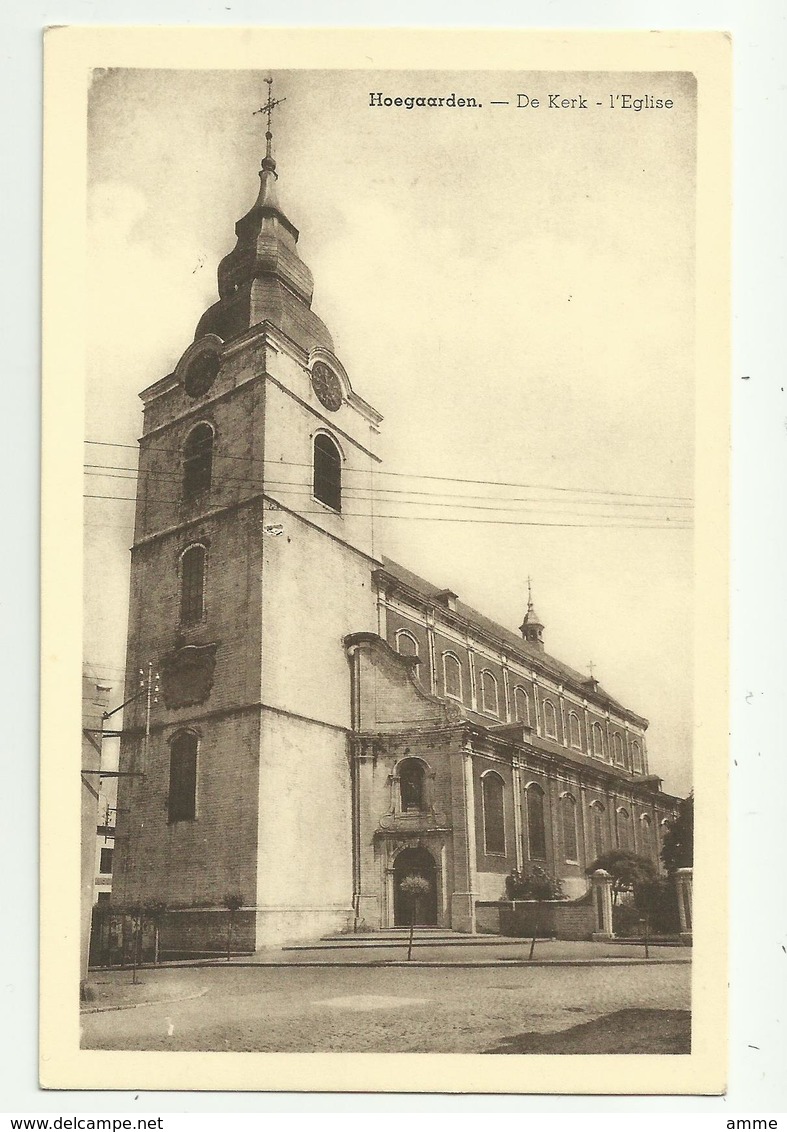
x=252, y=559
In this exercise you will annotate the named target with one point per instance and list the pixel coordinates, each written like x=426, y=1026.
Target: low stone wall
x=562, y=919
x=203, y=931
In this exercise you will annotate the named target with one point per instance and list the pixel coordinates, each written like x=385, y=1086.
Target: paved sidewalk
x=477, y=951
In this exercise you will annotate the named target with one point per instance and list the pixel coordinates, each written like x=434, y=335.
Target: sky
x=512, y=288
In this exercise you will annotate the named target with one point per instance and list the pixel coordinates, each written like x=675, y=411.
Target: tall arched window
x=568, y=821
x=617, y=749
x=197, y=460
x=492, y=789
x=550, y=720
x=536, y=828
x=636, y=757
x=452, y=676
x=327, y=472
x=646, y=835
x=597, y=814
x=598, y=740
x=521, y=705
x=192, y=584
x=624, y=828
x=574, y=733
x=489, y=700
x=406, y=644
x=182, y=801
x=412, y=779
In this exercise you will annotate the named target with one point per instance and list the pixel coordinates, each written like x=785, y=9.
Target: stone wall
x=563, y=919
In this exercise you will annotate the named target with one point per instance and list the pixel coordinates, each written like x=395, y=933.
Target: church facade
x=324, y=722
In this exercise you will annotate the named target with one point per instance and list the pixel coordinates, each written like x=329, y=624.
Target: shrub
x=659, y=900
x=626, y=920
x=533, y=883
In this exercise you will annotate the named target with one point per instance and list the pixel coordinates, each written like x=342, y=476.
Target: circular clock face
x=327, y=386
x=201, y=373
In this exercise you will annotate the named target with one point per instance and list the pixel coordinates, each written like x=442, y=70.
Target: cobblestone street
x=362, y=1009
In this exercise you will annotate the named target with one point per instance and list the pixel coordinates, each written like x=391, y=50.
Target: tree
x=232, y=902
x=678, y=849
x=628, y=870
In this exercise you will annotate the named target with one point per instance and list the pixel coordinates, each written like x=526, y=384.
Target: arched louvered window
x=521, y=705
x=412, y=779
x=492, y=788
x=489, y=702
x=197, y=460
x=536, y=827
x=550, y=720
x=568, y=821
x=574, y=733
x=597, y=815
x=192, y=584
x=452, y=676
x=327, y=472
x=182, y=800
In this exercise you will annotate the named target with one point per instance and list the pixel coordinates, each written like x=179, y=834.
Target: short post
x=684, y=883
x=602, y=902
x=533, y=940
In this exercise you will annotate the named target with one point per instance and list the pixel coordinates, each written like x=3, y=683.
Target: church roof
x=512, y=642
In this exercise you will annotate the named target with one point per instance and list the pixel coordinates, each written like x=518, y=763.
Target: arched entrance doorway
x=415, y=862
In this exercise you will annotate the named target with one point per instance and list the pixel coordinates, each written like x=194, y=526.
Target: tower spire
x=268, y=163
x=532, y=628
x=263, y=278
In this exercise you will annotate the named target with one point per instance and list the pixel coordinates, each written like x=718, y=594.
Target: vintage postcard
x=385, y=380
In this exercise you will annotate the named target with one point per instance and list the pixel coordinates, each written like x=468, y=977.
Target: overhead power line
x=419, y=475
x=111, y=471
x=656, y=524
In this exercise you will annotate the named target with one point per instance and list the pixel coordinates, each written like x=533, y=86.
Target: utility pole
x=149, y=684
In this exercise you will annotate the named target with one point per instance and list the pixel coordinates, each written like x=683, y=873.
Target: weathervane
x=268, y=109
x=529, y=591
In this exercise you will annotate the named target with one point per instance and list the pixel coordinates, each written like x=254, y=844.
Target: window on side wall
x=197, y=460
x=327, y=472
x=493, y=790
x=489, y=701
x=568, y=814
x=182, y=801
x=521, y=705
x=550, y=720
x=536, y=828
x=452, y=676
x=192, y=584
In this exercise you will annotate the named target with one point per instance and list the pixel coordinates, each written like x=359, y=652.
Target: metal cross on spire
x=268, y=109
x=529, y=590
x=591, y=669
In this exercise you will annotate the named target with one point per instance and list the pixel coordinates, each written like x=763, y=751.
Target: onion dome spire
x=263, y=278
x=532, y=628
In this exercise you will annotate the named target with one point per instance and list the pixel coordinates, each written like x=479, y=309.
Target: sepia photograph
x=391, y=449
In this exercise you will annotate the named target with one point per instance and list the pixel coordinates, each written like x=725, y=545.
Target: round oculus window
x=201, y=373
x=327, y=386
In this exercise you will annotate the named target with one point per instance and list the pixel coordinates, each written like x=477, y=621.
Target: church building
x=321, y=722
